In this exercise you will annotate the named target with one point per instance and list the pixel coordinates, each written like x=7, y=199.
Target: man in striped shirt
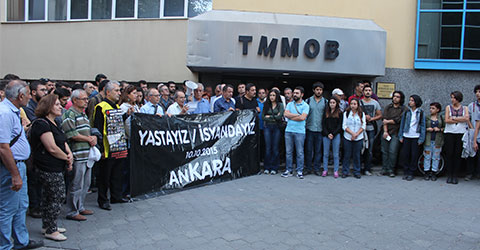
x=77, y=129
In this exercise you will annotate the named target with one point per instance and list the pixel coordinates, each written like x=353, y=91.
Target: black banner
x=173, y=153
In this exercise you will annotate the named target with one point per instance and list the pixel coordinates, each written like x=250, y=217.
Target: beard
x=296, y=98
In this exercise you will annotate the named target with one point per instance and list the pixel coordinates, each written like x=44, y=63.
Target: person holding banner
x=296, y=112
x=225, y=103
x=179, y=107
x=152, y=107
x=109, y=119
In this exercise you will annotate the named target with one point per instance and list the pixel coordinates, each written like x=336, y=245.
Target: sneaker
x=287, y=174
x=344, y=176
x=266, y=172
x=468, y=177
x=300, y=176
x=273, y=172
x=358, y=176
x=317, y=173
x=324, y=173
x=59, y=229
x=368, y=173
x=409, y=178
x=335, y=174
x=434, y=176
x=391, y=175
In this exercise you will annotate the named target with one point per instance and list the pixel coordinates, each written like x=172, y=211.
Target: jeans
x=352, y=148
x=296, y=140
x=272, y=135
x=368, y=153
x=13, y=209
x=34, y=188
x=431, y=157
x=390, y=153
x=335, y=149
x=409, y=155
x=313, y=150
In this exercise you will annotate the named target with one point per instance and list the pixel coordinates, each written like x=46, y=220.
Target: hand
x=385, y=122
x=400, y=140
x=69, y=158
x=130, y=110
x=70, y=167
x=429, y=129
x=475, y=146
x=385, y=135
x=92, y=140
x=354, y=136
x=159, y=114
x=368, y=118
x=231, y=109
x=169, y=115
x=330, y=136
x=16, y=183
x=267, y=116
x=436, y=129
x=184, y=109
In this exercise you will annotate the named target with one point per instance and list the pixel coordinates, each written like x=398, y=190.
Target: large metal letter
x=263, y=49
x=289, y=50
x=245, y=40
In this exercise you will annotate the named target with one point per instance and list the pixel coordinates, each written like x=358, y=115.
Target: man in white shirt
x=179, y=107
x=152, y=107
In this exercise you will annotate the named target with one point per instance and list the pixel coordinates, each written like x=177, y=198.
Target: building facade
x=425, y=47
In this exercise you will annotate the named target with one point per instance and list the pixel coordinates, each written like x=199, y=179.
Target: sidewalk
x=270, y=212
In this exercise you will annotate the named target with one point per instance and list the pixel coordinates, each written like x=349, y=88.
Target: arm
x=448, y=118
x=400, y=131
x=421, y=139
x=9, y=162
x=475, y=135
x=338, y=128
x=378, y=115
x=49, y=142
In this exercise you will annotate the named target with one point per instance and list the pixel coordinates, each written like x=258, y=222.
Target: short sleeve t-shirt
x=244, y=103
x=370, y=109
x=41, y=157
x=297, y=126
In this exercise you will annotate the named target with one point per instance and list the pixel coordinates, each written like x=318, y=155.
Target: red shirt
x=354, y=96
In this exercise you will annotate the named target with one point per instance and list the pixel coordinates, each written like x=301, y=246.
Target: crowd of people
x=73, y=139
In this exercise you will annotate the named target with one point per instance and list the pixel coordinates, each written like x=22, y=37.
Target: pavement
x=270, y=212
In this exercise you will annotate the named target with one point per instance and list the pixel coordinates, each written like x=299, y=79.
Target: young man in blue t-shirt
x=296, y=112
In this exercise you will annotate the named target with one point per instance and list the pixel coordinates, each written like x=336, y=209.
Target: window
x=57, y=9
x=448, y=35
x=71, y=10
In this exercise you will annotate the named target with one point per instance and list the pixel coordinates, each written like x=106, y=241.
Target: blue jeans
x=13, y=209
x=272, y=135
x=294, y=140
x=335, y=149
x=432, y=156
x=368, y=153
x=313, y=150
x=352, y=148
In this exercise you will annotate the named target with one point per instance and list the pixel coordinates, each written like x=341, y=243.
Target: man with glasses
x=392, y=116
x=77, y=130
x=49, y=84
x=165, y=99
x=152, y=107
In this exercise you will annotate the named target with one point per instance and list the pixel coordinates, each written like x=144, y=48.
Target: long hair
x=359, y=109
x=336, y=112
x=268, y=103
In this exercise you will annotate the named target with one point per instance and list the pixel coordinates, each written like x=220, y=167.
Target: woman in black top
x=272, y=116
x=332, y=128
x=51, y=156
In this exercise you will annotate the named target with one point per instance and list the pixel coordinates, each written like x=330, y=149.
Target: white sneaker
x=368, y=173
x=59, y=229
x=273, y=172
x=287, y=174
x=266, y=172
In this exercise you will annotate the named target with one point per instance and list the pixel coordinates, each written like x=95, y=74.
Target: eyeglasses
x=83, y=99
x=154, y=95
x=43, y=90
